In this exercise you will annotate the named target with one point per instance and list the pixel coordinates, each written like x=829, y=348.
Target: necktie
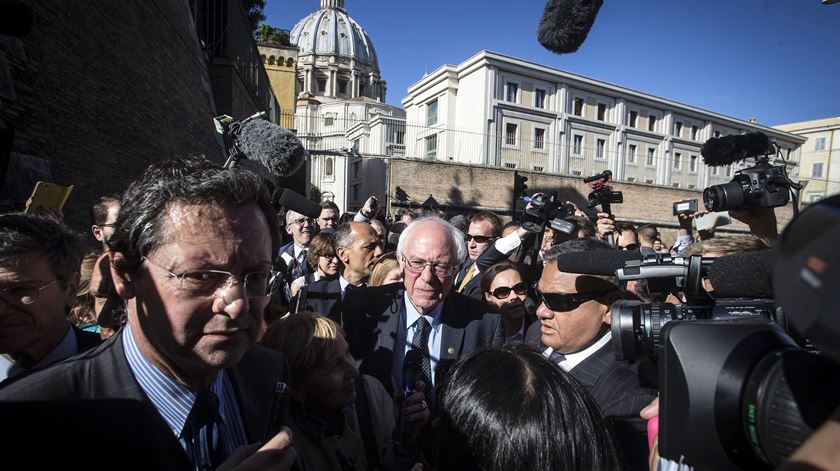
x=467, y=277
x=421, y=342
x=203, y=432
x=300, y=262
x=556, y=357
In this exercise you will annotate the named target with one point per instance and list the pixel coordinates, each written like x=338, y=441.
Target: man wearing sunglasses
x=193, y=248
x=485, y=227
x=574, y=315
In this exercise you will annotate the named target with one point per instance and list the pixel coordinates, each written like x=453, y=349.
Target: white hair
x=456, y=237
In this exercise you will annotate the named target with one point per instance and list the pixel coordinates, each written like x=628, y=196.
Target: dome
x=331, y=31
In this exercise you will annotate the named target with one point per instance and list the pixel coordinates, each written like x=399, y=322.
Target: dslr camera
x=761, y=186
x=548, y=210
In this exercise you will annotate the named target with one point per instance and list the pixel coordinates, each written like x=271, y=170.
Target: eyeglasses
x=630, y=247
x=562, y=302
x=304, y=222
x=107, y=225
x=209, y=283
x=479, y=239
x=502, y=292
x=24, y=295
x=417, y=266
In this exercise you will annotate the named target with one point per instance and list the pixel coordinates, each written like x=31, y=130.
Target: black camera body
x=602, y=192
x=547, y=209
x=760, y=186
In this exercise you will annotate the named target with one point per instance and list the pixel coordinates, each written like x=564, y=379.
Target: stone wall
x=465, y=187
x=101, y=90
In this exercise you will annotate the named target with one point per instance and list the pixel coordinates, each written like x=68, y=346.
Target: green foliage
x=254, y=11
x=314, y=193
x=266, y=33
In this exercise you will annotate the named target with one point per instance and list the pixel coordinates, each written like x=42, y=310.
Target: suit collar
x=589, y=370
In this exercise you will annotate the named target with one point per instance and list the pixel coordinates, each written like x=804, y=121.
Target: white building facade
x=820, y=159
x=497, y=110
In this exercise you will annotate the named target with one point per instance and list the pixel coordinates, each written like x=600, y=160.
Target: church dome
x=330, y=31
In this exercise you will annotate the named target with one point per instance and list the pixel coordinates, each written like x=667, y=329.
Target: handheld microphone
x=743, y=275
x=596, y=262
x=725, y=150
x=565, y=23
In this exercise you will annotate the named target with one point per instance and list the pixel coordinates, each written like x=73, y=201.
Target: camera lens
x=724, y=197
x=636, y=326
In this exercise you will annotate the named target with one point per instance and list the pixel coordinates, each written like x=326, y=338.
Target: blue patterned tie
x=421, y=342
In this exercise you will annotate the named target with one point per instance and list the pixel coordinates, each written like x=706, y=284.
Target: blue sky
x=775, y=60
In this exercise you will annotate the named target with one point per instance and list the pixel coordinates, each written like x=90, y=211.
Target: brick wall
x=102, y=89
x=468, y=186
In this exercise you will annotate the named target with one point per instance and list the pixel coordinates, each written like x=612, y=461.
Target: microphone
x=565, y=24
x=725, y=150
x=277, y=148
x=596, y=262
x=743, y=275
x=296, y=202
x=412, y=366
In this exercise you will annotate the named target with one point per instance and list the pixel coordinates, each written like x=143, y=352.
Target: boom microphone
x=565, y=24
x=743, y=275
x=596, y=262
x=275, y=147
x=725, y=150
x=300, y=204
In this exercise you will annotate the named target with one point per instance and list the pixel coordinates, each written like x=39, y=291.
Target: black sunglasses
x=630, y=247
x=478, y=238
x=502, y=292
x=567, y=302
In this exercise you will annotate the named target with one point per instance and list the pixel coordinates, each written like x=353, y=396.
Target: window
x=539, y=98
x=631, y=153
x=356, y=192
x=342, y=86
x=819, y=144
x=512, y=90
x=599, y=148
x=693, y=164
x=694, y=133
x=602, y=112
x=538, y=168
x=675, y=184
x=691, y=186
x=677, y=160
x=578, y=107
x=328, y=167
x=510, y=134
x=631, y=179
x=729, y=170
x=717, y=133
x=396, y=135
x=510, y=165
x=649, y=181
x=539, y=138
x=576, y=172
x=322, y=85
x=431, y=146
x=651, y=123
x=715, y=171
x=431, y=112
x=329, y=120
x=578, y=142
x=814, y=197
x=651, y=156
x=361, y=89
x=678, y=128
x=817, y=170
x=634, y=115
x=355, y=169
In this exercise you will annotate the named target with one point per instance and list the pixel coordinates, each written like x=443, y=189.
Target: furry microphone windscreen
x=565, y=24
x=730, y=149
x=278, y=149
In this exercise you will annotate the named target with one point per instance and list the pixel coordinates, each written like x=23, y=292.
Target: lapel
x=392, y=336
x=253, y=417
x=452, y=338
x=589, y=370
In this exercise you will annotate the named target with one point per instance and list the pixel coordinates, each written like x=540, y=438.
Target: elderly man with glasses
x=423, y=313
x=193, y=247
x=39, y=277
x=574, y=325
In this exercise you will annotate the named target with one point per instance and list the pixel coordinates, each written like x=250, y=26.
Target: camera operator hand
x=604, y=226
x=277, y=453
x=761, y=221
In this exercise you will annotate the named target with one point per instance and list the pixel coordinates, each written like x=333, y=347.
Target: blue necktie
x=203, y=432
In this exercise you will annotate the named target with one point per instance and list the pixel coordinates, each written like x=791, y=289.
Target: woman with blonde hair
x=340, y=418
x=386, y=270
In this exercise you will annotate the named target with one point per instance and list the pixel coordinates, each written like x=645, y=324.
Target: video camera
x=547, y=209
x=761, y=186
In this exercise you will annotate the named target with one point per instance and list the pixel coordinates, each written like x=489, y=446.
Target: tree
x=254, y=11
x=314, y=193
x=266, y=33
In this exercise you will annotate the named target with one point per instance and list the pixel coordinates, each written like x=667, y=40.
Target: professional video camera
x=745, y=395
x=546, y=209
x=762, y=185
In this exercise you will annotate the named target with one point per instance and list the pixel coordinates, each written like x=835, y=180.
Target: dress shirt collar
x=65, y=349
x=574, y=359
x=412, y=314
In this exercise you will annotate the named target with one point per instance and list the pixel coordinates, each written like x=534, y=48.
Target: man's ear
x=288, y=229
x=342, y=254
x=97, y=232
x=123, y=281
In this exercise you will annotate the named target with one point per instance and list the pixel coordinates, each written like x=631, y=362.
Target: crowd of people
x=429, y=343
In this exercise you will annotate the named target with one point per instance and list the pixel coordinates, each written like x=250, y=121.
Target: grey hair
x=141, y=224
x=23, y=233
x=456, y=237
x=344, y=235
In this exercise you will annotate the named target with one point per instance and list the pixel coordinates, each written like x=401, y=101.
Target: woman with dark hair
x=506, y=290
x=512, y=409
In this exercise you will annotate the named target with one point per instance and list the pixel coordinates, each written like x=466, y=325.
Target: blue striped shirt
x=173, y=400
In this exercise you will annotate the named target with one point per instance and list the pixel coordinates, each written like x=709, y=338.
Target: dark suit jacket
x=289, y=249
x=375, y=322
x=95, y=397
x=323, y=297
x=85, y=340
x=617, y=389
